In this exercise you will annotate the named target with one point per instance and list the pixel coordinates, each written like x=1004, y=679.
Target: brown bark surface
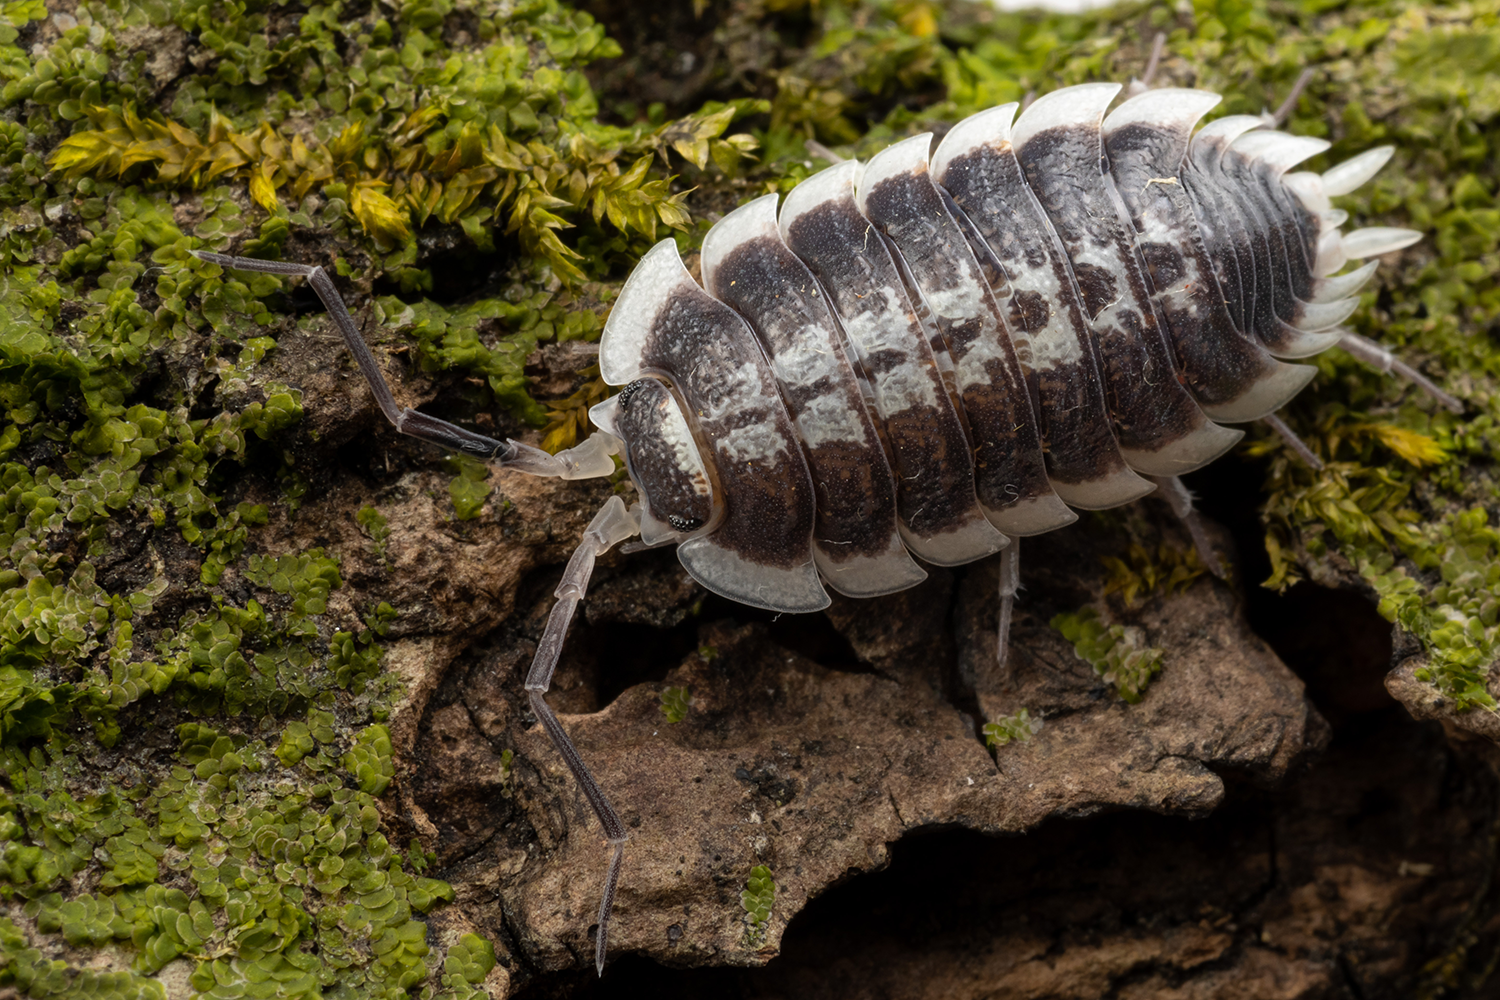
x=1217, y=839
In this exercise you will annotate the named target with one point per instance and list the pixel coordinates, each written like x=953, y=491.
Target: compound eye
x=628, y=393
x=664, y=460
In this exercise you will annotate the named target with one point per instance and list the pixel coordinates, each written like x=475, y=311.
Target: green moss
x=1016, y=728
x=306, y=579
x=758, y=897
x=1141, y=573
x=224, y=818
x=369, y=760
x=374, y=525
x=1455, y=615
x=674, y=704
x=507, y=769
x=502, y=140
x=470, y=488
x=24, y=968
x=466, y=965
x=280, y=847
x=1118, y=653
x=568, y=419
x=1405, y=527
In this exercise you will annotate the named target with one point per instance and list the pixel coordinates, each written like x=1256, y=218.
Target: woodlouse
x=932, y=356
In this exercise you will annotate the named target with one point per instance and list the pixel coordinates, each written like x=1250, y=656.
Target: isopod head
x=663, y=459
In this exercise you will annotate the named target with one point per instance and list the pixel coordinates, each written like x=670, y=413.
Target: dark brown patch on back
x=932, y=462
x=781, y=299
x=1029, y=310
x=1151, y=408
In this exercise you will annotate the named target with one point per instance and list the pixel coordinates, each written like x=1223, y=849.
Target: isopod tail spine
x=1355, y=172
x=1176, y=493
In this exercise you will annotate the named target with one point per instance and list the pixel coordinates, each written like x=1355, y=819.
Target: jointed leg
x=1278, y=118
x=613, y=524
x=1382, y=360
x=1293, y=442
x=1176, y=494
x=822, y=152
x=1010, y=583
x=588, y=461
x=1158, y=46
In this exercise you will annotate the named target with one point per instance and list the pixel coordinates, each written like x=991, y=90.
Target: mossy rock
x=228, y=592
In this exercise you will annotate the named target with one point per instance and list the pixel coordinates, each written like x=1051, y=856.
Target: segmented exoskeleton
x=932, y=356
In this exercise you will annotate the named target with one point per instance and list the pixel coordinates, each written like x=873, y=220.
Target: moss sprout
x=470, y=488
x=674, y=704
x=759, y=896
x=374, y=525
x=1141, y=573
x=466, y=965
x=567, y=419
x=1018, y=727
x=1118, y=653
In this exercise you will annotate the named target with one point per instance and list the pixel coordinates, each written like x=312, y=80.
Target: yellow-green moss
x=1118, y=653
x=1141, y=573
x=759, y=896
x=1018, y=727
x=674, y=704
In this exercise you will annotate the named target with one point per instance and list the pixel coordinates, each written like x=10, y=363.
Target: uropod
x=925, y=358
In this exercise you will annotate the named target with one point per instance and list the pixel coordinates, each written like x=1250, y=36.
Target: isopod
x=929, y=356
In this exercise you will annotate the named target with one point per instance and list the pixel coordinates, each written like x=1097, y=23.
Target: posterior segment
x=1162, y=431
x=1233, y=378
